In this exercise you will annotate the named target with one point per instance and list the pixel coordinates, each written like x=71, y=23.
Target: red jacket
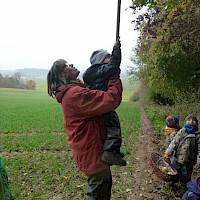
x=82, y=109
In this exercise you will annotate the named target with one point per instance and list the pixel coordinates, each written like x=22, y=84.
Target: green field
x=34, y=145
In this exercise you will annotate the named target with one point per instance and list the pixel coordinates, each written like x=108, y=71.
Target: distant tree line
x=16, y=81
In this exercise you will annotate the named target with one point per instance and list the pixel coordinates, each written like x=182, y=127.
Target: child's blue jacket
x=193, y=192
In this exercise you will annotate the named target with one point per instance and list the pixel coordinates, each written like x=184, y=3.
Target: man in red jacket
x=82, y=110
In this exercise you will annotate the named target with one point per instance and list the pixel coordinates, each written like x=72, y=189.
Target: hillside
x=27, y=72
x=39, y=73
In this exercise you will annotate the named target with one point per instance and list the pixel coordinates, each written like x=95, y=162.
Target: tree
x=16, y=82
x=31, y=84
x=17, y=76
x=169, y=43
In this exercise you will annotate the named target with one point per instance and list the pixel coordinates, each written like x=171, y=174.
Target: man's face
x=70, y=72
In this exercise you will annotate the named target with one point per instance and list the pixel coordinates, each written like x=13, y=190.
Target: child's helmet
x=172, y=121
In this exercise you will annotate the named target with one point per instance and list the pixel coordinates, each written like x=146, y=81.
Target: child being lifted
x=103, y=67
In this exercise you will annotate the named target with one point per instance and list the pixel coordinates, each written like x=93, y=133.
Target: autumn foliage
x=168, y=49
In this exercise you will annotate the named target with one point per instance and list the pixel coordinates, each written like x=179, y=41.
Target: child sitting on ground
x=184, y=151
x=193, y=192
x=103, y=67
x=172, y=127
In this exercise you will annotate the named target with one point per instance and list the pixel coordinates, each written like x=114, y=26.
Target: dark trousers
x=113, y=132
x=99, y=186
x=184, y=172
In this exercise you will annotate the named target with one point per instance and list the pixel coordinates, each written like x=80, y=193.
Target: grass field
x=34, y=145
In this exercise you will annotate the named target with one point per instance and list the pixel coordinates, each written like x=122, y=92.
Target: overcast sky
x=35, y=33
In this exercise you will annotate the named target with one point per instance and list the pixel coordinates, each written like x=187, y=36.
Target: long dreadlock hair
x=54, y=77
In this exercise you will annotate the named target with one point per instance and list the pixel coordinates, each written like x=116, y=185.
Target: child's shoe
x=113, y=159
x=117, y=152
x=121, y=154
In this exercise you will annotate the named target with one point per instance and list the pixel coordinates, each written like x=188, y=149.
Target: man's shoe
x=113, y=159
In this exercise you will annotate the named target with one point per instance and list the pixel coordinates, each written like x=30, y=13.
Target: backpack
x=189, y=147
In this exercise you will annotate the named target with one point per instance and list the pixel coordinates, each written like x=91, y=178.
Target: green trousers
x=99, y=186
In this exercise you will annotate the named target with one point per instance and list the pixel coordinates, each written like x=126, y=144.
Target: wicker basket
x=157, y=162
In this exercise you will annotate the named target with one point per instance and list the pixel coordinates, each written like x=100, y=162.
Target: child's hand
x=117, y=43
x=166, y=156
x=197, y=166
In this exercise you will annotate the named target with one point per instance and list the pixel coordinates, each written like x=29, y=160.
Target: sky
x=35, y=33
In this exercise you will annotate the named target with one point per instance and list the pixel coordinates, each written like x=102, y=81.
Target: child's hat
x=172, y=121
x=98, y=56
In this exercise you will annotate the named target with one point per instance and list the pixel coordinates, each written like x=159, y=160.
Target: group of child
x=183, y=150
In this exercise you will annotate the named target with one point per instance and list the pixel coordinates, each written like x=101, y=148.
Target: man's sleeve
x=96, y=102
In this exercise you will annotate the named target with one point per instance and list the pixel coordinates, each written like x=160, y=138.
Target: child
x=172, y=127
x=185, y=151
x=103, y=67
x=193, y=192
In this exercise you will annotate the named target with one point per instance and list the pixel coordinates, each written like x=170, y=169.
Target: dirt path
x=146, y=185
x=142, y=182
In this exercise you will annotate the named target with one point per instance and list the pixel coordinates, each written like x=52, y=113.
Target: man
x=82, y=110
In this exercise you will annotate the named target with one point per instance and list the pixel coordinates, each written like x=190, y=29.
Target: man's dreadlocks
x=54, y=77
